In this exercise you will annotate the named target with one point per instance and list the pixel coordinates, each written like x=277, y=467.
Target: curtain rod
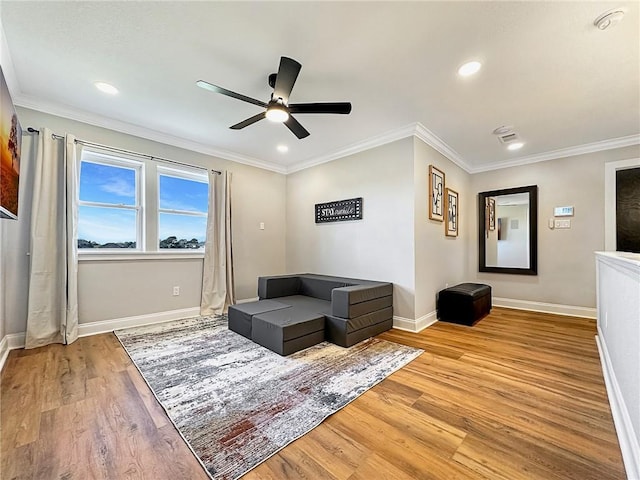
x=121, y=150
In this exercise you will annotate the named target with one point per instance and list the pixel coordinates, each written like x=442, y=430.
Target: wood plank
x=518, y=396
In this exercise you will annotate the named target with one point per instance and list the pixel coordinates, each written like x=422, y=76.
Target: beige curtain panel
x=217, y=276
x=52, y=315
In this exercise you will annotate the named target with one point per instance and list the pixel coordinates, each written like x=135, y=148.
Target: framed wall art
x=10, y=143
x=491, y=214
x=452, y=216
x=339, y=211
x=436, y=194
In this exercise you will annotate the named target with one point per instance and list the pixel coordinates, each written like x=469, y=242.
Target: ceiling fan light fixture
x=277, y=113
x=469, y=68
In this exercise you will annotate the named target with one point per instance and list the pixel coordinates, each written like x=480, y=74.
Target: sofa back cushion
x=319, y=287
x=278, y=286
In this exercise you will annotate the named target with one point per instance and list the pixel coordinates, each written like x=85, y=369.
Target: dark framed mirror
x=508, y=231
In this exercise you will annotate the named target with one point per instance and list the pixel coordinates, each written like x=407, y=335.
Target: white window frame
x=185, y=173
x=99, y=158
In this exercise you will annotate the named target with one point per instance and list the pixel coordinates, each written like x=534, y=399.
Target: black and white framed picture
x=339, y=211
x=436, y=194
x=490, y=214
x=451, y=209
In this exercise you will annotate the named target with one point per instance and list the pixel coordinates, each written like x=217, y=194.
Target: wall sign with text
x=339, y=211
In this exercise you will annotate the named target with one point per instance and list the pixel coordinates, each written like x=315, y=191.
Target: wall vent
x=508, y=138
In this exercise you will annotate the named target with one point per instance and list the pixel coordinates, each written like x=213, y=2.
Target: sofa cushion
x=240, y=315
x=278, y=286
x=308, y=304
x=319, y=287
x=287, y=331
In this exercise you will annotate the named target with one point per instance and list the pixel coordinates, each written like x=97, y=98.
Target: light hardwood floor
x=518, y=396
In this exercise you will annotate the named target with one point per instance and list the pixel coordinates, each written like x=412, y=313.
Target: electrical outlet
x=176, y=291
x=261, y=225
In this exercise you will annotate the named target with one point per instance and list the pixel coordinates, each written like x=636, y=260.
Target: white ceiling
x=562, y=83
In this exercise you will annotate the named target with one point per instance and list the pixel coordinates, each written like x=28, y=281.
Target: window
x=128, y=205
x=182, y=212
x=110, y=212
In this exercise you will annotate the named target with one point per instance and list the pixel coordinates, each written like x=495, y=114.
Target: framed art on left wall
x=10, y=144
x=436, y=194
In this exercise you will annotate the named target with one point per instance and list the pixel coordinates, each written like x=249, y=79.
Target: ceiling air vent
x=508, y=138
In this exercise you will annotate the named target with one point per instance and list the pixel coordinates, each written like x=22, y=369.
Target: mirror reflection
x=507, y=231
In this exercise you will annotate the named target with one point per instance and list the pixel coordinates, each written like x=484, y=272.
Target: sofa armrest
x=278, y=286
x=343, y=298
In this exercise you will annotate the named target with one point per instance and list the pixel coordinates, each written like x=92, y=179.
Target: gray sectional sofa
x=297, y=311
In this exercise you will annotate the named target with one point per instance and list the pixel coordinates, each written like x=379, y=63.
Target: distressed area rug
x=237, y=403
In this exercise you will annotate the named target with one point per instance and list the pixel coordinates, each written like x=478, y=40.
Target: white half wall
x=619, y=346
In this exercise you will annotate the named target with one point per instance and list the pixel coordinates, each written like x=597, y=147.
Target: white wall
x=513, y=248
x=110, y=290
x=378, y=247
x=619, y=343
x=566, y=270
x=439, y=260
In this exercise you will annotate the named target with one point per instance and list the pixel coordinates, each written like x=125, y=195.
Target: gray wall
x=378, y=247
x=395, y=241
x=439, y=260
x=109, y=290
x=566, y=265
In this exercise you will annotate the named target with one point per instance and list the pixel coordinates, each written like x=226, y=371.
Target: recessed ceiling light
x=282, y=148
x=515, y=146
x=469, y=68
x=106, y=88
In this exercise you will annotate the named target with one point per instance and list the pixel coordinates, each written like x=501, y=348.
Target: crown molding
x=600, y=146
x=83, y=116
x=431, y=139
x=412, y=130
x=361, y=146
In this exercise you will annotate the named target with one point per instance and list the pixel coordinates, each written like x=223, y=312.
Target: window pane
x=182, y=231
x=183, y=194
x=103, y=227
x=107, y=184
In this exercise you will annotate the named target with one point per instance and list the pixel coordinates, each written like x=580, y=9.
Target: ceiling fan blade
x=287, y=73
x=248, y=121
x=328, y=107
x=214, y=88
x=297, y=129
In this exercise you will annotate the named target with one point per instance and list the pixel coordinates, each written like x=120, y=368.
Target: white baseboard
x=104, y=326
x=10, y=342
x=627, y=438
x=247, y=300
x=568, y=310
x=416, y=325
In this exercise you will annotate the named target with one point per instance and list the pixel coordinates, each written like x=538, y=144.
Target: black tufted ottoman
x=465, y=303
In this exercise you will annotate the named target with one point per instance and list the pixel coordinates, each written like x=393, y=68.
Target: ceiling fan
x=278, y=109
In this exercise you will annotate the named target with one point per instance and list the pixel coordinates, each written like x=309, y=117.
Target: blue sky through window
x=183, y=194
x=116, y=185
x=107, y=184
x=106, y=225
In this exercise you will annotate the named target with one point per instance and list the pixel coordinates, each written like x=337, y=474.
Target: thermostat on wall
x=563, y=212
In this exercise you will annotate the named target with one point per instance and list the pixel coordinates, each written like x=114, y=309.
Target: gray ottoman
x=287, y=331
x=240, y=315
